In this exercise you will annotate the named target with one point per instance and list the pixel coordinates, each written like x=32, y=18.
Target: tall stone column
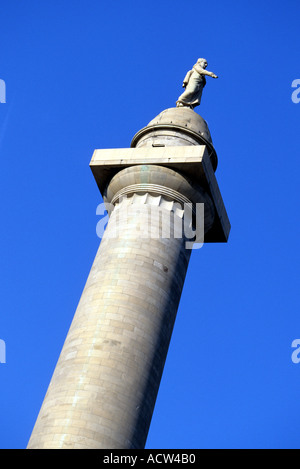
x=103, y=390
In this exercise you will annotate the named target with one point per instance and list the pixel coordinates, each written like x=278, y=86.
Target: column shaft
x=105, y=384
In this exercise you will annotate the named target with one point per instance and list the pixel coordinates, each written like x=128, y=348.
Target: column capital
x=162, y=187
x=191, y=163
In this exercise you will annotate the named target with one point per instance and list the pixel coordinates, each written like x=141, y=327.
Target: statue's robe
x=194, y=82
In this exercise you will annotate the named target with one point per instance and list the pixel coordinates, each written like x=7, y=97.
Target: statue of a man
x=194, y=83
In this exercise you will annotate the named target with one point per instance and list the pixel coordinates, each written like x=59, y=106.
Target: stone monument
x=103, y=390
x=194, y=83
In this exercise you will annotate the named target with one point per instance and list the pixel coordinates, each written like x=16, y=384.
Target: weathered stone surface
x=105, y=384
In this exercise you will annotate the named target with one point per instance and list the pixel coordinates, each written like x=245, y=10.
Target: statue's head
x=202, y=63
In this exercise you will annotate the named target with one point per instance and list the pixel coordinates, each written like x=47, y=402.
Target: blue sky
x=89, y=74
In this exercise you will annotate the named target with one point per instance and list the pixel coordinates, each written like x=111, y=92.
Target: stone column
x=103, y=390
x=105, y=384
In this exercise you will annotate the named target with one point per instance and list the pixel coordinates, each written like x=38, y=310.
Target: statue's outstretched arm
x=210, y=74
x=202, y=71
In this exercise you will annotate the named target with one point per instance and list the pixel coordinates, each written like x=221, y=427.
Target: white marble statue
x=194, y=83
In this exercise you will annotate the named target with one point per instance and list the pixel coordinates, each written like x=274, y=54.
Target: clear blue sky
x=89, y=74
